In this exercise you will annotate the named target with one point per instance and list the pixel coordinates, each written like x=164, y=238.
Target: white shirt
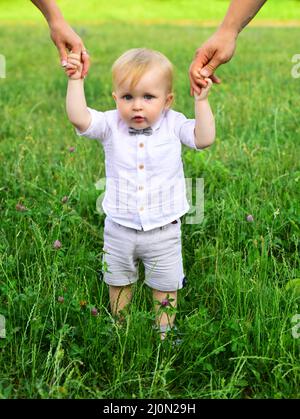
x=145, y=185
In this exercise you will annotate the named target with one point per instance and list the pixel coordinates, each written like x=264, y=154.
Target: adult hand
x=217, y=50
x=67, y=40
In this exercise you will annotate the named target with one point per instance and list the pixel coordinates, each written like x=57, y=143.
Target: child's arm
x=205, y=123
x=76, y=105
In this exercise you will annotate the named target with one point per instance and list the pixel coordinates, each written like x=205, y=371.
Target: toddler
x=145, y=187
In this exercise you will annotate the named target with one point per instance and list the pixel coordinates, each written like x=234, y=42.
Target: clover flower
x=165, y=302
x=94, y=311
x=57, y=244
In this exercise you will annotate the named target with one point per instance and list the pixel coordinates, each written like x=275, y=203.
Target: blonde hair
x=134, y=63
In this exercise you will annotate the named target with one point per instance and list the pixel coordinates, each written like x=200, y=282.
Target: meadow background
x=235, y=317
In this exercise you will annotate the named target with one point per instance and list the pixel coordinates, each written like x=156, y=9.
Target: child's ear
x=169, y=100
x=114, y=96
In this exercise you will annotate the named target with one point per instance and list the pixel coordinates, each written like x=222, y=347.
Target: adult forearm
x=205, y=130
x=76, y=105
x=240, y=13
x=50, y=10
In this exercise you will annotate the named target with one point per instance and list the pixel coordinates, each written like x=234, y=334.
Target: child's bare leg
x=119, y=297
x=164, y=319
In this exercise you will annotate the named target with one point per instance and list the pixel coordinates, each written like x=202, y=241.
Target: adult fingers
x=86, y=63
x=62, y=54
x=196, y=81
x=209, y=69
x=215, y=79
x=77, y=48
x=194, y=88
x=199, y=78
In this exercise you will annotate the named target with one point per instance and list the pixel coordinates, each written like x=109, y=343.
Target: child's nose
x=137, y=105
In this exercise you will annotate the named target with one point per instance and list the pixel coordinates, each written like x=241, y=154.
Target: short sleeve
x=184, y=130
x=98, y=128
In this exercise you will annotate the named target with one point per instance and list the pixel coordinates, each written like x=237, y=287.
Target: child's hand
x=74, y=66
x=204, y=91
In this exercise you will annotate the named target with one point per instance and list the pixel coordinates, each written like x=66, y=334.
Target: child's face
x=142, y=106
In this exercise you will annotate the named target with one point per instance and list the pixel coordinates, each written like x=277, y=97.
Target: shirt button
x=141, y=166
x=141, y=188
x=141, y=145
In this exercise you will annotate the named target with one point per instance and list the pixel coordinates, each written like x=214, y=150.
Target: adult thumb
x=210, y=68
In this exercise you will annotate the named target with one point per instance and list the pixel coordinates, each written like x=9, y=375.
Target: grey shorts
x=159, y=249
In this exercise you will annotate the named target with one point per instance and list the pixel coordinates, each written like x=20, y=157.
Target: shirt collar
x=158, y=123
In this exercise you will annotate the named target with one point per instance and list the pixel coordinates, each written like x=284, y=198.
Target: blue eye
x=148, y=97
x=127, y=97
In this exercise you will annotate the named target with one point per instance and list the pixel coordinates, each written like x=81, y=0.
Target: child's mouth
x=138, y=119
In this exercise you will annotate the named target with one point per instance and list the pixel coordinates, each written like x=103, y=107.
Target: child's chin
x=140, y=125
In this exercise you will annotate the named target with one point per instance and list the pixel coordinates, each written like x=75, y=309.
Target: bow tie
x=144, y=131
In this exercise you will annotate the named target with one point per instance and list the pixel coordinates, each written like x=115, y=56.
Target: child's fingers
x=73, y=55
x=208, y=86
x=200, y=80
x=70, y=72
x=74, y=62
x=70, y=66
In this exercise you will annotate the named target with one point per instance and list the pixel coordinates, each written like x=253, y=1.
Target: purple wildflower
x=60, y=299
x=165, y=302
x=250, y=218
x=64, y=199
x=94, y=311
x=57, y=244
x=71, y=149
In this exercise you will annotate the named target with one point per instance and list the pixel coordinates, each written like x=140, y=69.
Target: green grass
x=133, y=10
x=235, y=314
